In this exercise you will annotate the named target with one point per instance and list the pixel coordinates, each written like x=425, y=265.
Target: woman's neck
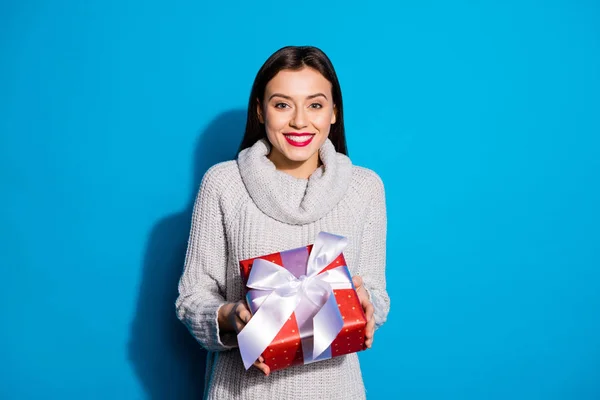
x=297, y=169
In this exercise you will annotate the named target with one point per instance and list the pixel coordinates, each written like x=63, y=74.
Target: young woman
x=291, y=180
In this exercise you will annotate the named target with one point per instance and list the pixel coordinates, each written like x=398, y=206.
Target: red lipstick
x=297, y=139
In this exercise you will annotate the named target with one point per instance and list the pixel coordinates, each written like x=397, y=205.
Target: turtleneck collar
x=292, y=200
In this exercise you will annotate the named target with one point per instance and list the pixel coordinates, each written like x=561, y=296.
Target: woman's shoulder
x=365, y=180
x=365, y=191
x=221, y=177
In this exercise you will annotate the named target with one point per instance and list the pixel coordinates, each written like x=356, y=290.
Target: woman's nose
x=299, y=120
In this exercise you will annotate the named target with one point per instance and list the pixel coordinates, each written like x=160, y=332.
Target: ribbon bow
x=310, y=297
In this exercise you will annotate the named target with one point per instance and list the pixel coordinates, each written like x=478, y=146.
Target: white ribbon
x=310, y=297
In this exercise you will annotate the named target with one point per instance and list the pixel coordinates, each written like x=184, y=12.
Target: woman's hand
x=367, y=306
x=234, y=317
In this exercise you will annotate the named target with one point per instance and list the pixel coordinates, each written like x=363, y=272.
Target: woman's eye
x=281, y=105
x=316, y=105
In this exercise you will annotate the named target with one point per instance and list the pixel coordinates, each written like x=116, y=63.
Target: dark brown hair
x=294, y=58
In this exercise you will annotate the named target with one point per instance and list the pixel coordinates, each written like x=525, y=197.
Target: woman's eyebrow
x=312, y=96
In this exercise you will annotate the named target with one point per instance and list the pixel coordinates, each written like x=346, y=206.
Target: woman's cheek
x=323, y=121
x=277, y=121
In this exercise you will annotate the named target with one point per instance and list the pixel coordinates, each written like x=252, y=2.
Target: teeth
x=299, y=139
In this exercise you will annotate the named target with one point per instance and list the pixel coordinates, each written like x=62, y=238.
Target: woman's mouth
x=299, y=139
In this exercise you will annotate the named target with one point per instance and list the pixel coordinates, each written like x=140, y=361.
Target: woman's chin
x=299, y=155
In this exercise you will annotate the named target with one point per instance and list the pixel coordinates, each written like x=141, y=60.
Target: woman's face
x=297, y=111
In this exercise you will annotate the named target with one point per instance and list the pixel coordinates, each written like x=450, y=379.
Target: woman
x=291, y=180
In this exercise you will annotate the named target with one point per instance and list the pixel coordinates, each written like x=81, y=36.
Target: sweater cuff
x=206, y=329
x=380, y=308
x=227, y=340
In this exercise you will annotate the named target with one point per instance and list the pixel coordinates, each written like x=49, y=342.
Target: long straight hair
x=294, y=58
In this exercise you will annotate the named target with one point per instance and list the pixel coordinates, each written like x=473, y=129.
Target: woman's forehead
x=302, y=83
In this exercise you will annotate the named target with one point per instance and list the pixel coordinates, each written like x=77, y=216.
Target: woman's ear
x=259, y=112
x=334, y=115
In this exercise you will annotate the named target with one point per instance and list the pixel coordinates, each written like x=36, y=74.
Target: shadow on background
x=167, y=359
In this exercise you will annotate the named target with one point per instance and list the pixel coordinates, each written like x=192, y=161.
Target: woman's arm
x=202, y=284
x=372, y=260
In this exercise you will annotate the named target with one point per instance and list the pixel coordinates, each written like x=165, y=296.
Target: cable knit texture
x=248, y=208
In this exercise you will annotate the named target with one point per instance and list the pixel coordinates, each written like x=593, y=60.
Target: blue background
x=481, y=117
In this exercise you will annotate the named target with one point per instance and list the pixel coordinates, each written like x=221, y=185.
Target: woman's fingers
x=369, y=309
x=243, y=312
x=263, y=367
x=357, y=281
x=370, y=328
x=370, y=333
x=241, y=316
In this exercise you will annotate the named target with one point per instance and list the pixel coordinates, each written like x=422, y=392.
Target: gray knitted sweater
x=248, y=208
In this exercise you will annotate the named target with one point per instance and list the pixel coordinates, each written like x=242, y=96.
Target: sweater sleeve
x=202, y=284
x=372, y=260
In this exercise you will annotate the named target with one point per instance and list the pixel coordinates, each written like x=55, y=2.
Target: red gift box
x=286, y=349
